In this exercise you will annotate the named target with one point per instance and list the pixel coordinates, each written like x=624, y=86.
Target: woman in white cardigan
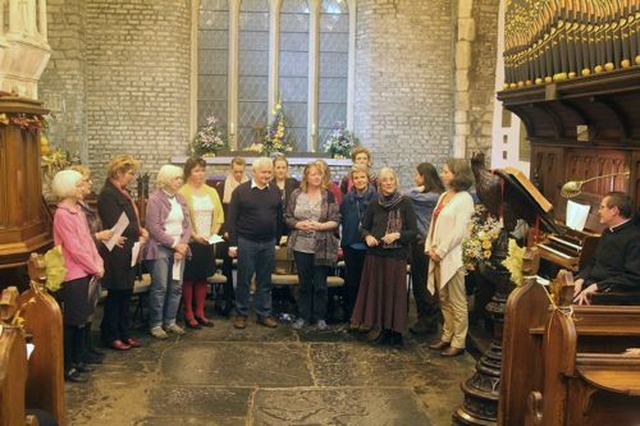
x=449, y=224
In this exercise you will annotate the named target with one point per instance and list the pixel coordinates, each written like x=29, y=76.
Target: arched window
x=251, y=52
x=293, y=84
x=213, y=60
x=253, y=69
x=334, y=66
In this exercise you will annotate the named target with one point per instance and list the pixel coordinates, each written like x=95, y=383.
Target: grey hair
x=65, y=183
x=262, y=163
x=167, y=173
x=390, y=171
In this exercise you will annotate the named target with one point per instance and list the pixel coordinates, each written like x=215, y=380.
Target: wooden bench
x=13, y=365
x=556, y=366
x=36, y=382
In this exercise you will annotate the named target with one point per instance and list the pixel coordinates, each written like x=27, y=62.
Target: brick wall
x=119, y=79
x=62, y=86
x=137, y=80
x=404, y=89
x=482, y=76
x=120, y=69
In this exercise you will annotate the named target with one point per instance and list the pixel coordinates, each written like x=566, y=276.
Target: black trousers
x=116, y=322
x=427, y=305
x=314, y=296
x=354, y=261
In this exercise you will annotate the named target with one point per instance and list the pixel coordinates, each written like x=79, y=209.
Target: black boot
x=90, y=355
x=396, y=340
x=71, y=374
x=384, y=338
x=78, y=350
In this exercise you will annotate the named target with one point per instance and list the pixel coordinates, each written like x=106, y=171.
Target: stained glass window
x=294, y=69
x=334, y=66
x=213, y=60
x=294, y=62
x=253, y=63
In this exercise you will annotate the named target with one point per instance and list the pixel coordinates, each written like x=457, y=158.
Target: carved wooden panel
x=547, y=170
x=552, y=166
x=24, y=223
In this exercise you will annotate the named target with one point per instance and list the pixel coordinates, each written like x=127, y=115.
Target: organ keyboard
x=569, y=250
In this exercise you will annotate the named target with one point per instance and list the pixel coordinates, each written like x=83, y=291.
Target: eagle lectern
x=25, y=226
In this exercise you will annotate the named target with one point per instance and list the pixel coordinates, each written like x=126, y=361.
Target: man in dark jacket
x=616, y=266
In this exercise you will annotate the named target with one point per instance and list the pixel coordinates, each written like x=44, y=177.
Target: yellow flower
x=487, y=254
x=513, y=262
x=55, y=268
x=486, y=244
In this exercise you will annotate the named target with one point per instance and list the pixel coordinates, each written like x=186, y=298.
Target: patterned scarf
x=394, y=221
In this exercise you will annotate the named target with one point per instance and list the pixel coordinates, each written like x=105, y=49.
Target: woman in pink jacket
x=83, y=263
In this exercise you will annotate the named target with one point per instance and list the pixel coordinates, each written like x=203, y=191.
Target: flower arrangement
x=208, y=141
x=341, y=141
x=514, y=261
x=275, y=138
x=477, y=246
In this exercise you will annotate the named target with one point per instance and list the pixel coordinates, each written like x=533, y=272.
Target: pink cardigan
x=71, y=231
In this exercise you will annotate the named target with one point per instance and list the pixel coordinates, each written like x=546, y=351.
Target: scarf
x=394, y=220
x=230, y=184
x=389, y=202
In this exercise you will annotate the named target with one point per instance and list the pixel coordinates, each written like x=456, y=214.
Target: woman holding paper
x=169, y=227
x=116, y=203
x=205, y=212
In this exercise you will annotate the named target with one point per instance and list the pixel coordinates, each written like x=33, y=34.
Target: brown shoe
x=268, y=322
x=240, y=322
x=438, y=346
x=452, y=351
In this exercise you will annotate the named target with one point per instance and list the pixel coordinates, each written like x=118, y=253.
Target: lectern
x=25, y=226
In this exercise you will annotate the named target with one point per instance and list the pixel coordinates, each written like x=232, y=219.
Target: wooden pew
x=13, y=365
x=583, y=388
x=531, y=357
x=43, y=321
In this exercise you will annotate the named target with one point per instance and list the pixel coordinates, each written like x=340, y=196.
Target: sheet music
x=577, y=215
x=135, y=252
x=176, y=274
x=118, y=229
x=215, y=239
x=30, y=349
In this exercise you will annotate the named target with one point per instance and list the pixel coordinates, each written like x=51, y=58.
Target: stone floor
x=260, y=376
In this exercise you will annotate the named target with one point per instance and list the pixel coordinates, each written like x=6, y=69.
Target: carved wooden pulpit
x=24, y=221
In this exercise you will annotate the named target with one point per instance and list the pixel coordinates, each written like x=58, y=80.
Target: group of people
x=377, y=228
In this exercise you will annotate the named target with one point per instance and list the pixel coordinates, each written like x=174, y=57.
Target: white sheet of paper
x=118, y=229
x=175, y=274
x=30, y=348
x=215, y=239
x=135, y=252
x=577, y=215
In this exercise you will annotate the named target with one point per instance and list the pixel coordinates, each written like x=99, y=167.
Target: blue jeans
x=258, y=258
x=165, y=292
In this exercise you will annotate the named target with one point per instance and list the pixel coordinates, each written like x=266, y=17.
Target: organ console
x=572, y=75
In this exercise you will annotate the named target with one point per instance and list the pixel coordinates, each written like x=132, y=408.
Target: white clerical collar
x=614, y=228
